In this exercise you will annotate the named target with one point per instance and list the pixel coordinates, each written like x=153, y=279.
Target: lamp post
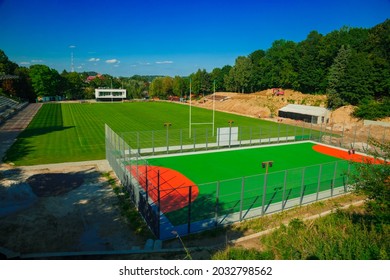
x=266, y=164
x=167, y=125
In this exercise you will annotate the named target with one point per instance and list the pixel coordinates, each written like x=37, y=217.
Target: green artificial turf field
x=65, y=132
x=304, y=176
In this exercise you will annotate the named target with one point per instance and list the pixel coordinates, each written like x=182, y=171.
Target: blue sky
x=166, y=37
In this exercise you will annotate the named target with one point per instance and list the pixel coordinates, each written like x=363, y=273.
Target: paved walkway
x=102, y=165
x=10, y=130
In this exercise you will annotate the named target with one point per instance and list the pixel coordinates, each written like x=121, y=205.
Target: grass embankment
x=348, y=234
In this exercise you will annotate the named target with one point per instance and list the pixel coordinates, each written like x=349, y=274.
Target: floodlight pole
x=266, y=164
x=214, y=109
x=190, y=111
x=167, y=125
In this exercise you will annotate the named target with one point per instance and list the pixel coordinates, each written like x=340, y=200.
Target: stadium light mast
x=71, y=58
x=190, y=112
x=214, y=109
x=266, y=164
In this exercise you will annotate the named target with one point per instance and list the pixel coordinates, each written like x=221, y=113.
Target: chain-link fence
x=175, y=209
x=355, y=137
x=179, y=140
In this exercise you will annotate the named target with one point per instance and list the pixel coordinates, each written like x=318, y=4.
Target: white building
x=310, y=114
x=110, y=94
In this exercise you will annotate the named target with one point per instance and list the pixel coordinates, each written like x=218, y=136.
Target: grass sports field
x=310, y=168
x=65, y=132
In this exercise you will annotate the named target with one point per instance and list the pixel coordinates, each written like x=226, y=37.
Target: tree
x=135, y=88
x=156, y=88
x=179, y=86
x=243, y=74
x=311, y=67
x=279, y=65
x=218, y=76
x=167, y=86
x=256, y=58
x=230, y=80
x=373, y=180
x=74, y=86
x=45, y=81
x=336, y=76
x=201, y=83
x=24, y=86
x=356, y=82
x=7, y=67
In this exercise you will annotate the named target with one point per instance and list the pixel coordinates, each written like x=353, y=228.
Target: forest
x=350, y=65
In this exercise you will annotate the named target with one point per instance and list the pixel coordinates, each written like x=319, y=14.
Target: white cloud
x=93, y=59
x=24, y=63
x=164, y=62
x=72, y=46
x=112, y=61
x=36, y=61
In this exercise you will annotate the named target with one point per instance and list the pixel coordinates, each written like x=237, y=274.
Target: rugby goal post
x=197, y=123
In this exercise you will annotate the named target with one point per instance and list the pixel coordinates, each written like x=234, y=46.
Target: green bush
x=344, y=235
x=373, y=110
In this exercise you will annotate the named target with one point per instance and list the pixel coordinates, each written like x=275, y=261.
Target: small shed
x=310, y=114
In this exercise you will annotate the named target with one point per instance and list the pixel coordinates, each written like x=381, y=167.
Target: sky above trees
x=151, y=37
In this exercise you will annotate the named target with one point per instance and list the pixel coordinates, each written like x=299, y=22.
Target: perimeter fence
x=171, y=140
x=168, y=214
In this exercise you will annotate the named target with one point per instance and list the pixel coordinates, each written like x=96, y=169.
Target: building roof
x=305, y=110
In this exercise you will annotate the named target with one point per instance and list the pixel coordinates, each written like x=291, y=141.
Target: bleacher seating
x=9, y=107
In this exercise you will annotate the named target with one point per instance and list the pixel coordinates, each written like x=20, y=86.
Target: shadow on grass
x=23, y=147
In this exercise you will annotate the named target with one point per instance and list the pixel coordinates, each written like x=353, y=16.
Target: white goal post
x=205, y=123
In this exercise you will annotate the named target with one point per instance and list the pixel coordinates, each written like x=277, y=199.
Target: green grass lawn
x=66, y=132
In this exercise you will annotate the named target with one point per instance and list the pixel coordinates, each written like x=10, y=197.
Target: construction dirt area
x=59, y=210
x=265, y=105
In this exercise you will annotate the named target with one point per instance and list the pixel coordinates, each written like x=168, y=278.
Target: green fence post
x=242, y=197
x=153, y=142
x=319, y=182
x=206, y=140
x=194, y=139
x=284, y=189
x=302, y=185
x=264, y=194
x=181, y=140
x=216, y=204
x=334, y=178
x=189, y=209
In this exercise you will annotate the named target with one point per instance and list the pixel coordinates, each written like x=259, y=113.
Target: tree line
x=350, y=65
